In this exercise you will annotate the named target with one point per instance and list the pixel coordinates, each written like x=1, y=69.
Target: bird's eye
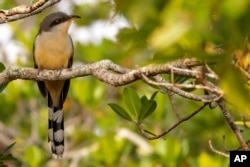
x=59, y=20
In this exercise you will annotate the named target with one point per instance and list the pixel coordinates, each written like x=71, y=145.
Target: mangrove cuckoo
x=53, y=49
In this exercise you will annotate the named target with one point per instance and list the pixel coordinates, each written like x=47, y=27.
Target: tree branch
x=232, y=125
x=115, y=75
x=24, y=11
x=175, y=88
x=104, y=70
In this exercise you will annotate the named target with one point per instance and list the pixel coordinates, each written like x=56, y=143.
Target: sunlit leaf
x=120, y=111
x=205, y=160
x=235, y=91
x=241, y=123
x=147, y=108
x=170, y=31
x=33, y=155
x=132, y=101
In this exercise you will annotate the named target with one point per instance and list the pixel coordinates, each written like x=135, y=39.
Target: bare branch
x=24, y=11
x=232, y=125
x=104, y=70
x=115, y=75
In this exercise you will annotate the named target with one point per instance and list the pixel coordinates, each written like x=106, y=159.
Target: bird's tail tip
x=57, y=151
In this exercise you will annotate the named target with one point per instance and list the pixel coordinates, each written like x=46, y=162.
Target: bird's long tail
x=56, y=128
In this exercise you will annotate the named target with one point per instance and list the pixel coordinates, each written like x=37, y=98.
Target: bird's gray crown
x=53, y=20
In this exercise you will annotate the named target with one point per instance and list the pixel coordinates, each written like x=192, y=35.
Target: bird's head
x=58, y=22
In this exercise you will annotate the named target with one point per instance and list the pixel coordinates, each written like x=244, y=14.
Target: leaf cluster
x=137, y=108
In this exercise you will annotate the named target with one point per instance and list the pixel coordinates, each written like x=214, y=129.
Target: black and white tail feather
x=56, y=128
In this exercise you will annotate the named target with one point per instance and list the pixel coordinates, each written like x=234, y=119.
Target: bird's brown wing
x=40, y=84
x=67, y=82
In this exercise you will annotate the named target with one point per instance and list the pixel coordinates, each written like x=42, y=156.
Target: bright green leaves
x=137, y=108
x=1, y=69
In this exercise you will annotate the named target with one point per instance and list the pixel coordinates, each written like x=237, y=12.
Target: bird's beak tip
x=75, y=17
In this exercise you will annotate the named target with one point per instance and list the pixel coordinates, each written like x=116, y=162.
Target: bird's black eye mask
x=58, y=21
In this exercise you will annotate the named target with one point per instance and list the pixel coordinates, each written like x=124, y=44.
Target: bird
x=53, y=50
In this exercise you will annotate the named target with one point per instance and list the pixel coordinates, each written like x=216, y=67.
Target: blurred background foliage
x=149, y=32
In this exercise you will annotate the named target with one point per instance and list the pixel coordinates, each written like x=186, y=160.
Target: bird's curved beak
x=74, y=17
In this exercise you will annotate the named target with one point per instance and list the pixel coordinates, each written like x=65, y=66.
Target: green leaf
x=4, y=156
x=120, y=111
x=153, y=95
x=147, y=109
x=144, y=99
x=1, y=69
x=7, y=158
x=241, y=123
x=2, y=87
x=132, y=101
x=8, y=148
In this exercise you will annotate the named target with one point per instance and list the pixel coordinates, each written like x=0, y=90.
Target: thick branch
x=115, y=75
x=104, y=70
x=24, y=11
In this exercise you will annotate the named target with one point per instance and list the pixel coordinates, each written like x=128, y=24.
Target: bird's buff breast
x=52, y=51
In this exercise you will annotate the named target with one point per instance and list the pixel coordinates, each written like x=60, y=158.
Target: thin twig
x=173, y=104
x=244, y=122
x=170, y=94
x=213, y=74
x=216, y=151
x=173, y=88
x=145, y=134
